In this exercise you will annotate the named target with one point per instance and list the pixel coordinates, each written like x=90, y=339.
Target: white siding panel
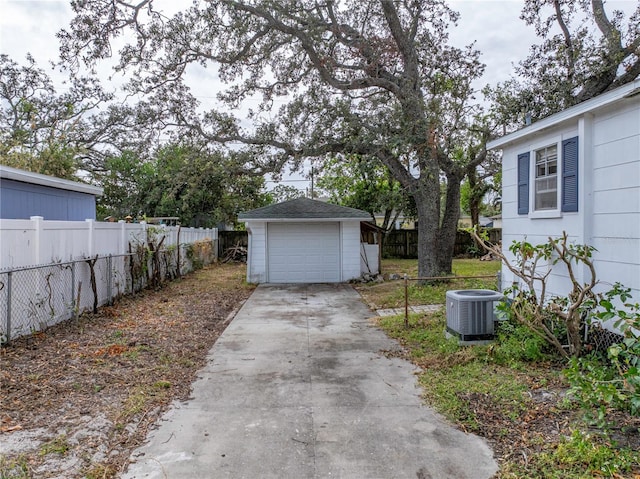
x=303, y=252
x=350, y=239
x=617, y=250
x=620, y=176
x=620, y=225
x=617, y=201
x=624, y=273
x=256, y=260
x=369, y=258
x=624, y=124
x=614, y=153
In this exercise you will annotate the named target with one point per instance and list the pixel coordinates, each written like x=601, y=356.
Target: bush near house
x=519, y=392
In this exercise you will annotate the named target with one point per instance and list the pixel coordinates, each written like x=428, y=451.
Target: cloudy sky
x=30, y=26
x=495, y=26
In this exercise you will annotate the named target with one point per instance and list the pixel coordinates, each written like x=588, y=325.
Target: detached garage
x=303, y=241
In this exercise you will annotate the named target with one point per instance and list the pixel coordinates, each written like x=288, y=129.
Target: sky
x=494, y=26
x=31, y=25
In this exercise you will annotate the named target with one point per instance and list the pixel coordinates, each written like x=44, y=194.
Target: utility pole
x=312, y=181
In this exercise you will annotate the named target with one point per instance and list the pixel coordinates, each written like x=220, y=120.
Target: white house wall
x=350, y=239
x=257, y=252
x=615, y=229
x=608, y=216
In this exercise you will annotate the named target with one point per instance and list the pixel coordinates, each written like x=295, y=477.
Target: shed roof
x=622, y=93
x=24, y=176
x=304, y=208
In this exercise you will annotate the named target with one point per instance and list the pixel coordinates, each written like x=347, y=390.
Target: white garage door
x=303, y=252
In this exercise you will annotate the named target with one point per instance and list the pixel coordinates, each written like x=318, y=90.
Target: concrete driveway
x=297, y=387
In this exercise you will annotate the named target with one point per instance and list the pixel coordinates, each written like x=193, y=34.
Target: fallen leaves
x=126, y=363
x=112, y=350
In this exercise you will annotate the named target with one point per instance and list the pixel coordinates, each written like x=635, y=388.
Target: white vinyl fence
x=51, y=271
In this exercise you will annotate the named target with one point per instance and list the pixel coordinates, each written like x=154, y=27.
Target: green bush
x=595, y=386
x=602, y=382
x=516, y=342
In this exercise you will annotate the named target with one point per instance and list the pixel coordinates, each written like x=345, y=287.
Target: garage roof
x=304, y=208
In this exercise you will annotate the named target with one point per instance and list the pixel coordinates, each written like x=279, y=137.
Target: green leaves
x=365, y=183
x=597, y=51
x=200, y=186
x=614, y=381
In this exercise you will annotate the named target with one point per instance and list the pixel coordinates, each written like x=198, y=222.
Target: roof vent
x=471, y=314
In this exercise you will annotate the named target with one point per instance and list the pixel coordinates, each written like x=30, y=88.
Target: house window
x=546, y=190
x=554, y=177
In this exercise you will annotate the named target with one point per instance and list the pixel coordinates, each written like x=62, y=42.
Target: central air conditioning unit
x=471, y=314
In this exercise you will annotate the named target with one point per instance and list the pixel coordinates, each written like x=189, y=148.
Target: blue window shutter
x=523, y=183
x=570, y=175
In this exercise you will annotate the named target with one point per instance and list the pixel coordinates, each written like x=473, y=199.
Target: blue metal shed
x=24, y=194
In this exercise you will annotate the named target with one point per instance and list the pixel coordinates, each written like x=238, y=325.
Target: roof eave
x=24, y=176
x=626, y=91
x=305, y=219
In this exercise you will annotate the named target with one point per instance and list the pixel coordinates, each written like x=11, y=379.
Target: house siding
x=616, y=193
x=608, y=216
x=20, y=200
x=257, y=252
x=350, y=245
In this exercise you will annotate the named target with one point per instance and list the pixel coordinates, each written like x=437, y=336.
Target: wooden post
x=406, y=301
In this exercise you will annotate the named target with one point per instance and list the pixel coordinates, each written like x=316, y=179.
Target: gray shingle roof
x=304, y=208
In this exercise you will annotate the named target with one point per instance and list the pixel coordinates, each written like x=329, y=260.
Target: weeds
x=578, y=455
x=514, y=393
x=58, y=445
x=99, y=471
x=15, y=468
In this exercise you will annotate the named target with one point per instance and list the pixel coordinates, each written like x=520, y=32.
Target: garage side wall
x=350, y=239
x=257, y=252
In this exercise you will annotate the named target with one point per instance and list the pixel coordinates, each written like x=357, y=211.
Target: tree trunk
x=449, y=229
x=475, y=197
x=427, y=199
x=474, y=209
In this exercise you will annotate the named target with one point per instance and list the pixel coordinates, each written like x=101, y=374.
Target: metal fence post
x=109, y=281
x=9, y=280
x=73, y=287
x=406, y=301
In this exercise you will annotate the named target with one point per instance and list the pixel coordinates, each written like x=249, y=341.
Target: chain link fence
x=34, y=298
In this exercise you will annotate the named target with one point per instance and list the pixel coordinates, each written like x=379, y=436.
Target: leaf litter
x=78, y=398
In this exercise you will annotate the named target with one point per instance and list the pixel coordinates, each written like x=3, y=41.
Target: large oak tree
x=587, y=48
x=42, y=130
x=376, y=79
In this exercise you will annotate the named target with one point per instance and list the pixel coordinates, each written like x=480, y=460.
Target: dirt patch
x=78, y=398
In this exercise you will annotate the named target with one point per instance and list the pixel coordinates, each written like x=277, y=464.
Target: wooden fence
x=396, y=243
x=404, y=243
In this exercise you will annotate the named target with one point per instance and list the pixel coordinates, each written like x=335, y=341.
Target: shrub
x=515, y=342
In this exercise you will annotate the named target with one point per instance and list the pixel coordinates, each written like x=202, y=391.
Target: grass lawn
x=512, y=392
x=390, y=294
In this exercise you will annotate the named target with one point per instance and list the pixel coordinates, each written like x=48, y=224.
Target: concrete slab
x=422, y=308
x=297, y=386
